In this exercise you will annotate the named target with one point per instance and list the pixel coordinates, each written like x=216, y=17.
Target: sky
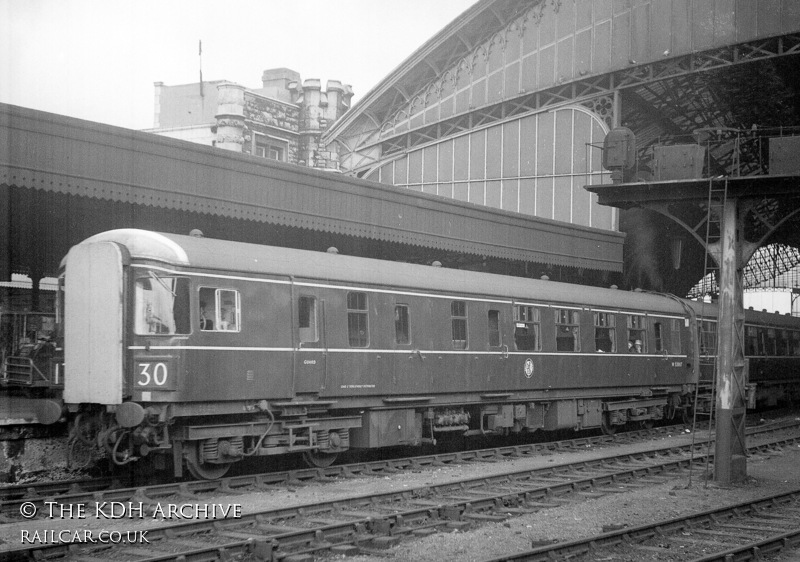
x=98, y=59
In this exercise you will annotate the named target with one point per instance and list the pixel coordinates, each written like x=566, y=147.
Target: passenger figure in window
x=636, y=332
x=205, y=322
x=228, y=321
x=219, y=309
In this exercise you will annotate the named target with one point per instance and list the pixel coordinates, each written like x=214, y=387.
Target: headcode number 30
x=153, y=374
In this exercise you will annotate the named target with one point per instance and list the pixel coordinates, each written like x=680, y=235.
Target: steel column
x=730, y=460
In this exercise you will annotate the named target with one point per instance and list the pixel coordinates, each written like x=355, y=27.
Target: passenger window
x=675, y=338
x=604, y=332
x=458, y=313
x=494, y=328
x=220, y=310
x=795, y=338
x=161, y=305
x=659, y=337
x=357, y=319
x=782, y=342
x=637, y=334
x=762, y=341
x=527, y=327
x=708, y=337
x=307, y=319
x=568, y=330
x=771, y=342
x=402, y=334
x=750, y=340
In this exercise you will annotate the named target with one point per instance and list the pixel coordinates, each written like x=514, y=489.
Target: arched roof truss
x=537, y=55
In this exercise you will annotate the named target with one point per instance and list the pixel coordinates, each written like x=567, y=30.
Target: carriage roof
x=208, y=254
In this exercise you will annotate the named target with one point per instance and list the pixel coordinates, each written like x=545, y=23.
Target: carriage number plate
x=155, y=374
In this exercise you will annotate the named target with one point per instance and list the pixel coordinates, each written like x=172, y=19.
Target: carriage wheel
x=315, y=459
x=207, y=471
x=204, y=470
x=648, y=424
x=606, y=426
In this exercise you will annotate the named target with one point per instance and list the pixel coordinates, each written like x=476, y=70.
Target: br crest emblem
x=528, y=367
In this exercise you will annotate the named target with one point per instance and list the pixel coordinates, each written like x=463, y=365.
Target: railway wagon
x=211, y=351
x=772, y=349
x=772, y=357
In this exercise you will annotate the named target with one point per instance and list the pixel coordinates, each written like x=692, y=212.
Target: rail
x=370, y=523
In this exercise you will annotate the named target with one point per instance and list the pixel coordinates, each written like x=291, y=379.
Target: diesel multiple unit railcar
x=210, y=351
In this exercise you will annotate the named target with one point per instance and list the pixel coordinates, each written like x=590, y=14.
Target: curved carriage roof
x=241, y=258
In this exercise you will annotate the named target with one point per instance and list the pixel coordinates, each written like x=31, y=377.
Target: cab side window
x=220, y=310
x=161, y=305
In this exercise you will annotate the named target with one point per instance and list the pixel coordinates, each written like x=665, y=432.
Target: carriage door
x=309, y=356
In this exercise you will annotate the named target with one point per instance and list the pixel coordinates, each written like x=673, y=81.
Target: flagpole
x=200, y=55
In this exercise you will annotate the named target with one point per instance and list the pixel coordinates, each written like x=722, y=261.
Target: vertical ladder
x=717, y=198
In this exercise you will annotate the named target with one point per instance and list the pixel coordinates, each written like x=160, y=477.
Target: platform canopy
x=64, y=179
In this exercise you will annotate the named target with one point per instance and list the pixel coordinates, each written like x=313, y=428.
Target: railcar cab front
x=108, y=305
x=134, y=309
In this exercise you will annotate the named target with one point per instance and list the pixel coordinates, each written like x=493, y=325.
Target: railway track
x=74, y=489
x=111, y=489
x=373, y=522
x=745, y=531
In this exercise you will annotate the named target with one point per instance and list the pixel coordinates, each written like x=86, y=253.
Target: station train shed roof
x=670, y=71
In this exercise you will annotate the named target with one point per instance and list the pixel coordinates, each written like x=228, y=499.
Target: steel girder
x=636, y=77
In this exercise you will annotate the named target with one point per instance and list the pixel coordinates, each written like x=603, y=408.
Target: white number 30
x=158, y=376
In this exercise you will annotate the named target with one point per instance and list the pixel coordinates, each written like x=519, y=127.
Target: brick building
x=283, y=120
